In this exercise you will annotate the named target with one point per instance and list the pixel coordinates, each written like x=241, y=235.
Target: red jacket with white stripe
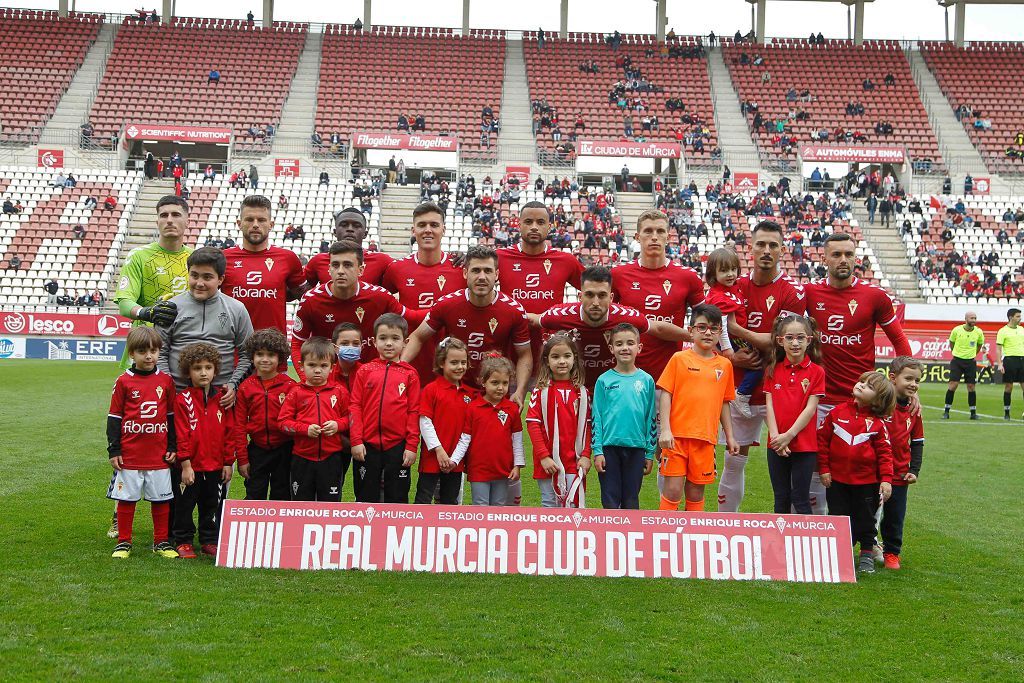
x=206, y=431
x=853, y=446
x=385, y=409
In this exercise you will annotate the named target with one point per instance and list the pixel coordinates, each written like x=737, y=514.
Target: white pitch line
x=967, y=412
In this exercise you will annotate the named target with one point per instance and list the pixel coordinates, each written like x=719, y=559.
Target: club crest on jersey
x=401, y=388
x=769, y=302
x=182, y=485
x=159, y=392
x=868, y=422
x=281, y=397
x=502, y=416
x=638, y=386
x=295, y=487
x=334, y=401
x=441, y=279
x=667, y=286
x=492, y=324
x=466, y=399
x=547, y=266
x=805, y=383
x=360, y=312
x=853, y=306
x=220, y=416
x=908, y=424
x=269, y=263
x=718, y=374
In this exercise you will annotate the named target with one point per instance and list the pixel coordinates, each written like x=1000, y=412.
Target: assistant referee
x=1010, y=340
x=966, y=342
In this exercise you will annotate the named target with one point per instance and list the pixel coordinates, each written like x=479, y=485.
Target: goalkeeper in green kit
x=153, y=274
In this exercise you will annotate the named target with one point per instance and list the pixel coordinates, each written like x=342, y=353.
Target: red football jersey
x=659, y=294
x=445, y=404
x=791, y=386
x=419, y=287
x=261, y=280
x=537, y=282
x=490, y=427
x=320, y=312
x=142, y=402
x=765, y=303
x=592, y=342
x=499, y=326
x=375, y=263
x=846, y=319
x=904, y=429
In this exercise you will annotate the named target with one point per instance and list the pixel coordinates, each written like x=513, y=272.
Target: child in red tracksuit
x=443, y=405
x=206, y=450
x=257, y=408
x=385, y=417
x=558, y=421
x=722, y=273
x=315, y=413
x=855, y=460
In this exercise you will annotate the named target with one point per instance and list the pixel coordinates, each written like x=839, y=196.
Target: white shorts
x=131, y=486
x=746, y=430
x=823, y=410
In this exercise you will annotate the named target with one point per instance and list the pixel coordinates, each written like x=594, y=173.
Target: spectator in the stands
x=59, y=180
x=70, y=181
x=890, y=80
x=294, y=232
x=357, y=24
x=51, y=287
x=403, y=122
x=9, y=207
x=1002, y=236
x=89, y=202
x=79, y=231
x=868, y=84
x=968, y=184
x=214, y=76
x=325, y=179
x=110, y=202
x=87, y=132
x=420, y=124
x=268, y=131
x=14, y=262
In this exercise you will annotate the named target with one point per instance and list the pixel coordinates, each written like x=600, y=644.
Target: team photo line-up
x=430, y=361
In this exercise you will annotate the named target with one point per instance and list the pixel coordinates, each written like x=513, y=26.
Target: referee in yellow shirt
x=1010, y=340
x=966, y=342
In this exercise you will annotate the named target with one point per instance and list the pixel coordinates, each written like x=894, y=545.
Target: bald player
x=966, y=342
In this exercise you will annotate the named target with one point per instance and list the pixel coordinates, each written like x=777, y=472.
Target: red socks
x=125, y=519
x=161, y=516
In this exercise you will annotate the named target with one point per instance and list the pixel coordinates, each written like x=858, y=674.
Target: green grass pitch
x=67, y=610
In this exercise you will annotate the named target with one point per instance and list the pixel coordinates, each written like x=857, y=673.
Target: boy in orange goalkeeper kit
x=697, y=387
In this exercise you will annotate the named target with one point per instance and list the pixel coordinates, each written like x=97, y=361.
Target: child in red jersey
x=722, y=274
x=206, y=450
x=558, y=422
x=266, y=462
x=793, y=385
x=385, y=417
x=348, y=344
x=906, y=434
x=855, y=460
x=443, y=405
x=492, y=436
x=141, y=442
x=315, y=413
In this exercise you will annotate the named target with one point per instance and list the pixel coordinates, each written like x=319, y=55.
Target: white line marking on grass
x=967, y=412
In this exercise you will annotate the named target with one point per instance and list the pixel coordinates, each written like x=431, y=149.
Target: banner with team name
x=535, y=541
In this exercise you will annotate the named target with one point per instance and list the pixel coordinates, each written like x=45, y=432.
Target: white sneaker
x=877, y=553
x=743, y=405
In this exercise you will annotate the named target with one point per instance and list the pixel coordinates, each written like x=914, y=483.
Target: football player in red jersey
x=847, y=311
x=534, y=274
x=349, y=224
x=261, y=276
x=595, y=316
x=343, y=299
x=657, y=287
x=425, y=276
x=770, y=294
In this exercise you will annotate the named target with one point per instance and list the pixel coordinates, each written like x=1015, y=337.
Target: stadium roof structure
x=758, y=18
x=960, y=14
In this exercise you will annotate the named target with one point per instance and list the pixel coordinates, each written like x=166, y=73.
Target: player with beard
x=534, y=274
x=847, y=311
x=770, y=294
x=425, y=276
x=657, y=287
x=263, y=277
x=349, y=225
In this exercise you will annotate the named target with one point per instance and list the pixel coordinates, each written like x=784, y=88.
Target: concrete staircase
x=396, y=205
x=142, y=228
x=73, y=108
x=738, y=149
x=891, y=254
x=960, y=155
x=298, y=114
x=630, y=206
x=516, y=144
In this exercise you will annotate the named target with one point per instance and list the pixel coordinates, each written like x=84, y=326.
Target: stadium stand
x=974, y=80
x=833, y=76
x=369, y=78
x=967, y=249
x=160, y=74
x=41, y=234
x=39, y=55
x=555, y=75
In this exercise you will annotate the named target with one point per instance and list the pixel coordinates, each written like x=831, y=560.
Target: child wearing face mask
x=348, y=344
